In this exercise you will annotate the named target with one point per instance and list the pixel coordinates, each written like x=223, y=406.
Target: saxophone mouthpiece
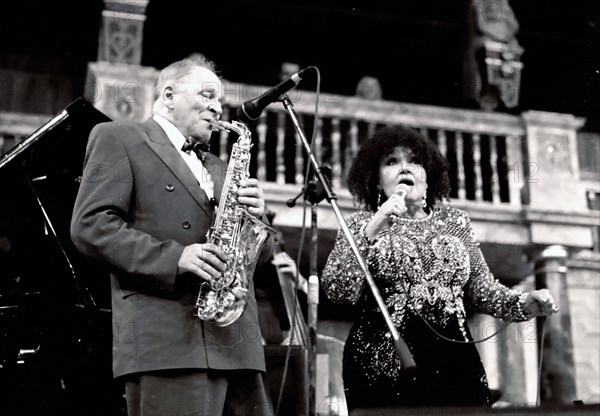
x=215, y=125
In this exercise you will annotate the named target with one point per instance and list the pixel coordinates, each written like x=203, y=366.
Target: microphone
x=252, y=109
x=392, y=217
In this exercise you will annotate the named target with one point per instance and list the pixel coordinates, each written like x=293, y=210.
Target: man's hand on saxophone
x=204, y=260
x=251, y=195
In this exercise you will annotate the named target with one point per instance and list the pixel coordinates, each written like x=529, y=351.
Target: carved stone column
x=121, y=31
x=558, y=384
x=492, y=65
x=552, y=188
x=122, y=92
x=117, y=84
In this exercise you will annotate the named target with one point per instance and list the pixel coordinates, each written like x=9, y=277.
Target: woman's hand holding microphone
x=394, y=206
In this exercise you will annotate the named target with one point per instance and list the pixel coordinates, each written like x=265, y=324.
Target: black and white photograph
x=311, y=208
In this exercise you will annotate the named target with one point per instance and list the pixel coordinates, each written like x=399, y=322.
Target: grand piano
x=55, y=325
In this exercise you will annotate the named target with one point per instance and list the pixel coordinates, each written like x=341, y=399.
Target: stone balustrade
x=502, y=165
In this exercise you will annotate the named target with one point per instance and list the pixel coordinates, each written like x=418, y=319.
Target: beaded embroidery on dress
x=428, y=267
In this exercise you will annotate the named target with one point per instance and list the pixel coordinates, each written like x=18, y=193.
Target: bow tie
x=195, y=146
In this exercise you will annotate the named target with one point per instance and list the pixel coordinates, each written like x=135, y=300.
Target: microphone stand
x=314, y=193
x=406, y=360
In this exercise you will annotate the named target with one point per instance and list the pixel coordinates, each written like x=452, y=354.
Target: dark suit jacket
x=138, y=206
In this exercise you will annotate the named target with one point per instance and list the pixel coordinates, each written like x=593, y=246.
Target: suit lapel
x=161, y=145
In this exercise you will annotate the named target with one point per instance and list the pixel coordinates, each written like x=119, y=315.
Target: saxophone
x=238, y=234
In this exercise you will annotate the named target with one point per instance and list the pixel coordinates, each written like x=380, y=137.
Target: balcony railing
x=15, y=127
x=485, y=150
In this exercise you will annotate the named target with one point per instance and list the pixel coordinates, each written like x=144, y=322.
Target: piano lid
x=39, y=179
x=76, y=119
x=55, y=321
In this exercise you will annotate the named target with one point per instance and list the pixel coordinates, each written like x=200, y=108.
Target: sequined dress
x=429, y=268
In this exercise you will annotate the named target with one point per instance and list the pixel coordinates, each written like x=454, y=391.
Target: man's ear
x=167, y=97
x=169, y=92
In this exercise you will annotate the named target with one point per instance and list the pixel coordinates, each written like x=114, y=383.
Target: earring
x=424, y=200
x=379, y=198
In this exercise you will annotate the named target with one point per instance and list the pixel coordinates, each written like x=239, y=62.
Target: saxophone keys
x=227, y=299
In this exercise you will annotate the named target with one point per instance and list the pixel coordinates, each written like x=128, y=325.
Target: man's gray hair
x=179, y=69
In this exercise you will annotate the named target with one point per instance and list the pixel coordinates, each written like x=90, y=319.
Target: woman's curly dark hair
x=363, y=178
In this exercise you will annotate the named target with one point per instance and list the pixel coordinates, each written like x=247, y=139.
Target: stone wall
x=584, y=298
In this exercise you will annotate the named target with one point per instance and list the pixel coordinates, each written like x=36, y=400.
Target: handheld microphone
x=392, y=217
x=252, y=109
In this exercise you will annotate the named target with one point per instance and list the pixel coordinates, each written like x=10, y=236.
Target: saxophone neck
x=234, y=126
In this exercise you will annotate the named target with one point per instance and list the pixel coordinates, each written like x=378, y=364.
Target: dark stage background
x=413, y=47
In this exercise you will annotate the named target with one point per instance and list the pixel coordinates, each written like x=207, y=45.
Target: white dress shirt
x=191, y=159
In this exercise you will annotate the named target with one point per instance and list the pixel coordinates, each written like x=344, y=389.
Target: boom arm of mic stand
x=406, y=360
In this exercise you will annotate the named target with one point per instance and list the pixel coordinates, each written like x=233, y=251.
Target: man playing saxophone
x=144, y=207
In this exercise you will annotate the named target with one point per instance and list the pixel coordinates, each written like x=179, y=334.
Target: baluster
x=442, y=142
x=370, y=129
x=279, y=158
x=495, y=172
x=318, y=140
x=335, y=152
x=261, y=157
x=460, y=167
x=298, y=160
x=16, y=140
x=514, y=164
x=351, y=146
x=476, y=148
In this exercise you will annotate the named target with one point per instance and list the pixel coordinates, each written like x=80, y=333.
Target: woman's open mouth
x=407, y=181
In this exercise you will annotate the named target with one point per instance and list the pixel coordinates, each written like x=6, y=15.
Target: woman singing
x=430, y=272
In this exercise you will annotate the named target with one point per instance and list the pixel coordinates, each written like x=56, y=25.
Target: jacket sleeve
x=101, y=225
x=268, y=248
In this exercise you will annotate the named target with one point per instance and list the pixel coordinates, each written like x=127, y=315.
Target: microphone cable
x=502, y=328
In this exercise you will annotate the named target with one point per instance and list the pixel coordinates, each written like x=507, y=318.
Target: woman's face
x=398, y=173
